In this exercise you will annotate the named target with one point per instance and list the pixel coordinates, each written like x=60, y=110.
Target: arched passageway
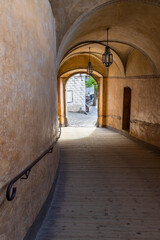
x=42, y=43
x=134, y=63
x=85, y=206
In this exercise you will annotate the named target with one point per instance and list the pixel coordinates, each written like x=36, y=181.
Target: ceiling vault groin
x=130, y=39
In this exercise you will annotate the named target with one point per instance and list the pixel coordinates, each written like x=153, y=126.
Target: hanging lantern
x=89, y=67
x=107, y=57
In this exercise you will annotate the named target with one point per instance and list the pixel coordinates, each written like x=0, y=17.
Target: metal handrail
x=26, y=172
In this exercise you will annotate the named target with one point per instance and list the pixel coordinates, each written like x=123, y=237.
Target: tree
x=92, y=82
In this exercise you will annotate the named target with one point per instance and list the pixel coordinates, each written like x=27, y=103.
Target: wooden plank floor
x=108, y=188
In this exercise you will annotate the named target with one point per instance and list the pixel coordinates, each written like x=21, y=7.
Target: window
x=69, y=96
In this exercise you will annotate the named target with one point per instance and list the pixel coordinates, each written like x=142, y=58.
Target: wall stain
x=112, y=116
x=145, y=123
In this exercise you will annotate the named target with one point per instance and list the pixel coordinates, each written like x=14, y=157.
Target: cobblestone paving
x=83, y=120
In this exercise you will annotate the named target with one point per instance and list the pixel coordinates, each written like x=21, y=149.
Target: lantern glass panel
x=107, y=57
x=111, y=58
x=89, y=68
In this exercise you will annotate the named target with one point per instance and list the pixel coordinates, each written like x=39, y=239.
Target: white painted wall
x=75, y=93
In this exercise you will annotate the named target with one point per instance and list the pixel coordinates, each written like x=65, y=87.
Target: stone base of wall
x=148, y=131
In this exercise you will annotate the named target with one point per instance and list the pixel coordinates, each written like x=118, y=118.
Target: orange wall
x=28, y=106
x=145, y=110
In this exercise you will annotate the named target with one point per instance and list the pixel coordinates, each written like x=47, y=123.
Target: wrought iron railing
x=11, y=191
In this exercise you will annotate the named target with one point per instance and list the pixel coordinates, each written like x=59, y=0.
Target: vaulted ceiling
x=134, y=35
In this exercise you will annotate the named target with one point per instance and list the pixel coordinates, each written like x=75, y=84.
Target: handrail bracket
x=27, y=173
x=11, y=191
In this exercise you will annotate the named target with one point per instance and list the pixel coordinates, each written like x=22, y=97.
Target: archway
x=81, y=101
x=135, y=63
x=62, y=80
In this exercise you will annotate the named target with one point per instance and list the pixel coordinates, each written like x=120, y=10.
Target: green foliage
x=91, y=82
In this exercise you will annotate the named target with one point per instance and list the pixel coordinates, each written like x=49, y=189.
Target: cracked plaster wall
x=28, y=107
x=145, y=111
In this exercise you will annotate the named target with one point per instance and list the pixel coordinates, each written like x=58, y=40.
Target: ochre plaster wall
x=70, y=10
x=145, y=110
x=28, y=119
x=139, y=65
x=81, y=62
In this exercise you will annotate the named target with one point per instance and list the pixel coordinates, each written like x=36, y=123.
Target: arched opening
x=81, y=100
x=126, y=109
x=135, y=63
x=61, y=91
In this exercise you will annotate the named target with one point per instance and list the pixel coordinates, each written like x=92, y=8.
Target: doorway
x=81, y=101
x=126, y=109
